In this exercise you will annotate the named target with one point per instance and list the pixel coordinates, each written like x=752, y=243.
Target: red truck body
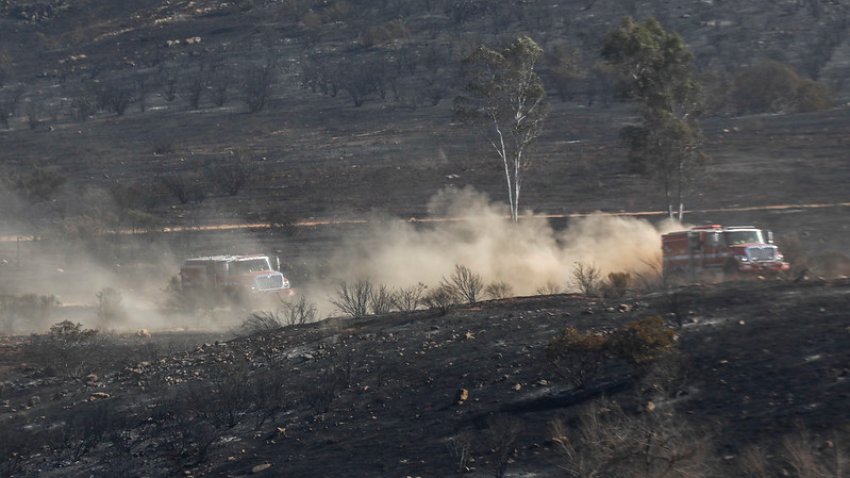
x=714, y=248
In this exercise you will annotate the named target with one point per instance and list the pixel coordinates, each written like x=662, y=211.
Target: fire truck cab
x=715, y=248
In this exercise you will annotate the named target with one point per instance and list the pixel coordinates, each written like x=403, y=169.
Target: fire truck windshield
x=751, y=236
x=250, y=265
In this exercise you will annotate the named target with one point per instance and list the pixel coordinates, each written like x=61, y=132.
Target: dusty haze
x=478, y=235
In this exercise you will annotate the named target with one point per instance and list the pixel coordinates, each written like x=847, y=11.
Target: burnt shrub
x=229, y=175
x=259, y=323
x=67, y=349
x=408, y=299
x=380, y=300
x=607, y=441
x=644, y=341
x=353, y=299
x=440, y=299
x=577, y=356
x=499, y=290
x=297, y=312
x=184, y=186
x=465, y=284
x=617, y=284
x=587, y=279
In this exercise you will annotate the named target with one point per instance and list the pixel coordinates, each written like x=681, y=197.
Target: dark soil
x=378, y=396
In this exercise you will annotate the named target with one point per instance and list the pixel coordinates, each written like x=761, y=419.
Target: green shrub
x=771, y=86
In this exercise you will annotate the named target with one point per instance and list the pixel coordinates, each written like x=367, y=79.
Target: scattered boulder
x=462, y=396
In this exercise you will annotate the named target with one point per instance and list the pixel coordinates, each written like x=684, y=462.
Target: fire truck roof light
x=712, y=226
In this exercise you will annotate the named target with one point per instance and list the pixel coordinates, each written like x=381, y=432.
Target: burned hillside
x=753, y=366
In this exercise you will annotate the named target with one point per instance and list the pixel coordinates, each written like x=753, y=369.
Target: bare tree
x=586, y=278
x=506, y=101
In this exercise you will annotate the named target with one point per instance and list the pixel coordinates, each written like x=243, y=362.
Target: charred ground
x=378, y=396
x=757, y=362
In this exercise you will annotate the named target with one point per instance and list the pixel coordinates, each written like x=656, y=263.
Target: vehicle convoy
x=233, y=277
x=731, y=250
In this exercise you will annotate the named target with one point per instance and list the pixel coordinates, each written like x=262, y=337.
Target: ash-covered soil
x=469, y=392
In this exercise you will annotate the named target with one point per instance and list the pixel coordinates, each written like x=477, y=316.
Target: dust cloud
x=528, y=256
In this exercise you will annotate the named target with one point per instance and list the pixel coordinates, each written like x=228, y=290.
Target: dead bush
x=577, y=356
x=460, y=449
x=643, y=341
x=501, y=436
x=184, y=186
x=618, y=284
x=441, y=299
x=353, y=299
x=299, y=312
x=259, y=323
x=408, y=299
x=228, y=175
x=499, y=290
x=380, y=300
x=467, y=285
x=586, y=278
x=799, y=455
x=268, y=394
x=608, y=442
x=550, y=288
x=89, y=425
x=67, y=349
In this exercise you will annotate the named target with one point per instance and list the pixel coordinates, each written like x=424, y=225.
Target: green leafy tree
x=505, y=100
x=654, y=69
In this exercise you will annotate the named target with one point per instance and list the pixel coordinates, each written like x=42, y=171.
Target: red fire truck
x=714, y=248
x=233, y=277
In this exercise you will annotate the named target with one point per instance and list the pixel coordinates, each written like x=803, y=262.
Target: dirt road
x=354, y=221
